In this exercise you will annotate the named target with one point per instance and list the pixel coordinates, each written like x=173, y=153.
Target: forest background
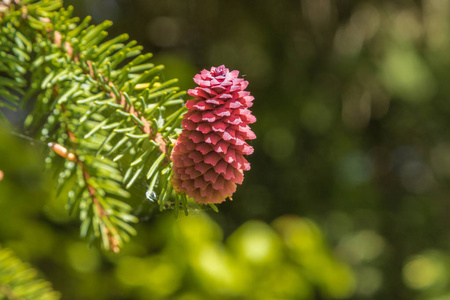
x=348, y=196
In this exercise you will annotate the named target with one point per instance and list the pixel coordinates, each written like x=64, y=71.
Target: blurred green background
x=349, y=192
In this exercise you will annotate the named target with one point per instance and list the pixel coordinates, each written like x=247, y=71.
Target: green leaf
x=155, y=165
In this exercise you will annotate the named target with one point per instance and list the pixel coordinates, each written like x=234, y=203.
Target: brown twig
x=114, y=243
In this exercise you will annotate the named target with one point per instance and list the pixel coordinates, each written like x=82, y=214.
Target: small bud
x=63, y=152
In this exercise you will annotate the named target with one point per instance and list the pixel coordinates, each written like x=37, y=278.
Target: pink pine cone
x=208, y=158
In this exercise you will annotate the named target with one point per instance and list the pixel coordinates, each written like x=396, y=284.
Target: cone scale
x=208, y=157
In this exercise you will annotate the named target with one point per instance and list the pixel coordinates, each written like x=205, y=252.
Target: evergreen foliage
x=100, y=105
x=19, y=281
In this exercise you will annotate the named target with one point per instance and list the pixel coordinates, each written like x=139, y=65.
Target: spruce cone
x=208, y=158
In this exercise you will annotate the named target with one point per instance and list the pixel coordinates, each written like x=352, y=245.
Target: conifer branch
x=101, y=103
x=19, y=281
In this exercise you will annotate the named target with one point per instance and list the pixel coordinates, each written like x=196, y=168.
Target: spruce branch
x=19, y=281
x=100, y=105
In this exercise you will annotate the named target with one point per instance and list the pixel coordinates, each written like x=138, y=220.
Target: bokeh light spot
x=256, y=242
x=406, y=74
x=365, y=245
x=421, y=272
